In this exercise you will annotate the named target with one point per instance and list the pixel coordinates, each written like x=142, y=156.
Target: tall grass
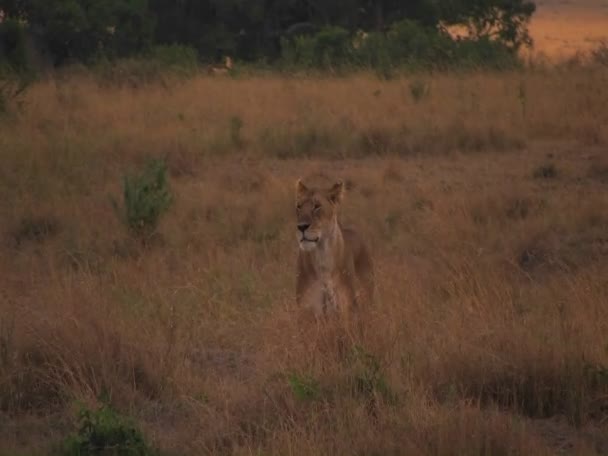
x=489, y=332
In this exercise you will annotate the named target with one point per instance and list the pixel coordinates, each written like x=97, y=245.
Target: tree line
x=252, y=30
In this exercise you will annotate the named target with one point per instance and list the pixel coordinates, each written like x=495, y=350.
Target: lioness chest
x=326, y=296
x=328, y=291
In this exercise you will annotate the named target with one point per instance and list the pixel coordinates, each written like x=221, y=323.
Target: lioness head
x=316, y=213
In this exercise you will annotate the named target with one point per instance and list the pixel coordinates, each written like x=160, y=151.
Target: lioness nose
x=303, y=226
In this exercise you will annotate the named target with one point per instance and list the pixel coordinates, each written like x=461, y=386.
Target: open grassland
x=484, y=197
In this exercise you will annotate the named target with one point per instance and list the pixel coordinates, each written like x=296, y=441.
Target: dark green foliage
x=82, y=30
x=329, y=48
x=309, y=34
x=410, y=42
x=105, y=432
x=304, y=387
x=13, y=54
x=406, y=44
x=146, y=196
x=175, y=57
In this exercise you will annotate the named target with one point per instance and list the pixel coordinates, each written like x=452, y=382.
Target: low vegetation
x=104, y=432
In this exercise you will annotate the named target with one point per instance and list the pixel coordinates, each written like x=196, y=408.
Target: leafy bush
x=304, y=387
x=81, y=31
x=484, y=53
x=406, y=44
x=331, y=47
x=12, y=45
x=146, y=197
x=104, y=432
x=152, y=67
x=411, y=43
x=175, y=57
x=374, y=53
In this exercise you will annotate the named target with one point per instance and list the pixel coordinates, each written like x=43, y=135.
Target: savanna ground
x=483, y=196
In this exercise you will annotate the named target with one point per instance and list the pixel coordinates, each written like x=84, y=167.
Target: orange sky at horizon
x=560, y=28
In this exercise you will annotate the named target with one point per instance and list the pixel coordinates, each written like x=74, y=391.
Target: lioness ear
x=336, y=193
x=301, y=189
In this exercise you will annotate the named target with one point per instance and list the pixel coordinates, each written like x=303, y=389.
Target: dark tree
x=84, y=29
x=504, y=20
x=247, y=29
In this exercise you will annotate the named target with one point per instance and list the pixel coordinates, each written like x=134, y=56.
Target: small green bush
x=105, y=432
x=146, y=196
x=304, y=387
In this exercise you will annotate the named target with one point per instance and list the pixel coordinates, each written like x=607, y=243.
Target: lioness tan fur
x=334, y=268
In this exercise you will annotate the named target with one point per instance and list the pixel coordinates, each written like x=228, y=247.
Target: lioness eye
x=317, y=207
x=298, y=206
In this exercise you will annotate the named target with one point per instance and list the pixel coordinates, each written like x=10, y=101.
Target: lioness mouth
x=305, y=239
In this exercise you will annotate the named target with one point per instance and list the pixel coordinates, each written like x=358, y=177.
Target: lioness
x=334, y=270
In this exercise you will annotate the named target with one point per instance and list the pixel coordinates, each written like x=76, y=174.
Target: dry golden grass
x=486, y=206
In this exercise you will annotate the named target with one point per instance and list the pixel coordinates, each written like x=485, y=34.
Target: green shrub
x=304, y=387
x=333, y=47
x=151, y=67
x=104, y=432
x=411, y=43
x=146, y=196
x=330, y=48
x=175, y=57
x=484, y=53
x=12, y=45
x=373, y=53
